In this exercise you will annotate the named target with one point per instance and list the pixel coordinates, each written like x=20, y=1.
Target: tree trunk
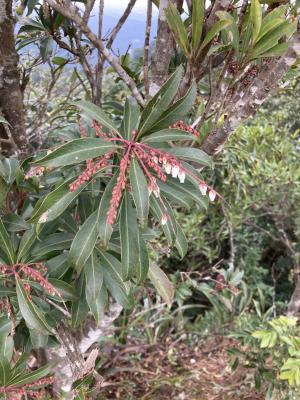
x=11, y=97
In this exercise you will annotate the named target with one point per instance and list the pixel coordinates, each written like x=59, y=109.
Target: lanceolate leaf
x=139, y=191
x=4, y=371
x=6, y=244
x=31, y=376
x=181, y=242
x=177, y=111
x=177, y=26
x=191, y=154
x=8, y=168
x=31, y=314
x=80, y=307
x=55, y=203
x=104, y=229
x=232, y=29
x=93, y=276
x=129, y=238
x=84, y=242
x=161, y=283
x=143, y=260
x=112, y=278
x=131, y=118
x=27, y=241
x=161, y=209
x=276, y=51
x=165, y=135
x=76, y=151
x=214, y=30
x=54, y=242
x=175, y=194
x=160, y=102
x=197, y=23
x=95, y=113
x=256, y=18
x=15, y=223
x=98, y=305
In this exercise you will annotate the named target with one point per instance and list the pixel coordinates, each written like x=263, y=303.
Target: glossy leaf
x=177, y=111
x=76, y=151
x=256, y=18
x=160, y=102
x=214, y=30
x=130, y=119
x=160, y=209
x=129, y=238
x=31, y=314
x=54, y=242
x=96, y=113
x=161, y=283
x=84, y=242
x=192, y=154
x=177, y=26
x=15, y=223
x=143, y=259
x=80, y=307
x=197, y=22
x=55, y=203
x=6, y=244
x=33, y=376
x=165, y=135
x=112, y=278
x=140, y=193
x=104, y=229
x=181, y=242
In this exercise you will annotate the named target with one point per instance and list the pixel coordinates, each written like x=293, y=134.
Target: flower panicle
x=184, y=127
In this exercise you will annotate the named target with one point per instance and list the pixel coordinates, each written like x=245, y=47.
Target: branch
x=120, y=23
x=71, y=12
x=244, y=103
x=146, y=47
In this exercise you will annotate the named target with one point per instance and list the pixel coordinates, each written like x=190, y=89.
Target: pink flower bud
x=168, y=168
x=203, y=188
x=164, y=219
x=212, y=195
x=181, y=176
x=175, y=171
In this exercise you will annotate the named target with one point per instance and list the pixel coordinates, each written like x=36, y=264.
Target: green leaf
x=27, y=241
x=76, y=151
x=4, y=189
x=80, y=307
x=271, y=39
x=276, y=51
x=191, y=154
x=177, y=111
x=38, y=340
x=112, y=278
x=84, y=242
x=8, y=169
x=95, y=113
x=58, y=266
x=160, y=102
x=66, y=291
x=55, y=203
x=256, y=18
x=166, y=135
x=181, y=242
x=105, y=230
x=46, y=47
x=33, y=376
x=232, y=29
x=54, y=242
x=4, y=371
x=128, y=238
x=93, y=276
x=177, y=27
x=6, y=346
x=31, y=314
x=143, y=260
x=6, y=244
x=161, y=283
x=131, y=118
x=159, y=209
x=175, y=194
x=95, y=291
x=15, y=223
x=269, y=26
x=197, y=23
x=214, y=30
x=139, y=191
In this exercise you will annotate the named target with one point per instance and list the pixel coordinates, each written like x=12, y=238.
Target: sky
x=119, y=6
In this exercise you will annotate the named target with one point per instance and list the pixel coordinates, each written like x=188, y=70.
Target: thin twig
x=146, y=47
x=120, y=23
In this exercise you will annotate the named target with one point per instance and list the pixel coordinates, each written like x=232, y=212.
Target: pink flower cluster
x=35, y=171
x=91, y=169
x=185, y=127
x=25, y=390
x=35, y=272
x=156, y=164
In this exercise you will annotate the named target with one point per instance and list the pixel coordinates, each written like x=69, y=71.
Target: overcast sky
x=120, y=5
